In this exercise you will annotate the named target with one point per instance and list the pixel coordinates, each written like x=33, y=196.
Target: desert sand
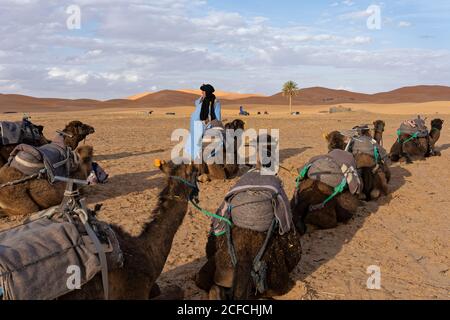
x=406, y=234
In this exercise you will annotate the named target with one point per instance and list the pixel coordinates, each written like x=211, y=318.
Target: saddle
x=366, y=145
x=253, y=203
x=414, y=128
x=55, y=158
x=39, y=259
x=18, y=132
x=337, y=168
x=214, y=131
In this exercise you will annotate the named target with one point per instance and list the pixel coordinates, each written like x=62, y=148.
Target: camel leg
x=169, y=293
x=217, y=293
x=204, y=279
x=346, y=206
x=324, y=218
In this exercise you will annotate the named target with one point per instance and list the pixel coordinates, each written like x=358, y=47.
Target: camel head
x=336, y=140
x=236, y=125
x=85, y=158
x=379, y=126
x=181, y=178
x=75, y=132
x=437, y=124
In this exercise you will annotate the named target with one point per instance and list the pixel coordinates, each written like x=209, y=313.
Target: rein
x=194, y=200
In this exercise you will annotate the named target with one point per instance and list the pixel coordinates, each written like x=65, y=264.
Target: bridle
x=193, y=185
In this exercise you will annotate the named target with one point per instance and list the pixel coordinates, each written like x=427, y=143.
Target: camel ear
x=325, y=136
x=163, y=166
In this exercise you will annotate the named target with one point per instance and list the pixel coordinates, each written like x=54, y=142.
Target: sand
x=406, y=234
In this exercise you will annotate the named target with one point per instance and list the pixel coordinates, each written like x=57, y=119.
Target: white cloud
x=404, y=24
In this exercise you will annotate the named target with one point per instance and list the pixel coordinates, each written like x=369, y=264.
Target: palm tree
x=289, y=90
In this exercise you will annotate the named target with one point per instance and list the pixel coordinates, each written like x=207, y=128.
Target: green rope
x=412, y=137
x=376, y=154
x=337, y=190
x=213, y=215
x=302, y=175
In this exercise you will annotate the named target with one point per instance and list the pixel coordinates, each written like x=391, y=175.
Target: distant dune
x=173, y=98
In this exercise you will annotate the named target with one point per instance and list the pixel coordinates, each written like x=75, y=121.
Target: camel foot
x=155, y=291
x=216, y=293
x=170, y=293
x=203, y=178
x=375, y=194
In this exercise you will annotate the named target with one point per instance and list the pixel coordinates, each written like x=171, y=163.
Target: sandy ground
x=406, y=234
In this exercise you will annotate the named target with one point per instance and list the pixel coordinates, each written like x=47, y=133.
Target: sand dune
x=316, y=96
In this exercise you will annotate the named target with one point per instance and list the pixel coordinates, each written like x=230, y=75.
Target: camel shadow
x=124, y=184
x=443, y=147
x=184, y=276
x=122, y=155
x=321, y=246
x=291, y=152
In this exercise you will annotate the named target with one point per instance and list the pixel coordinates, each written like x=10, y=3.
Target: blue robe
x=193, y=147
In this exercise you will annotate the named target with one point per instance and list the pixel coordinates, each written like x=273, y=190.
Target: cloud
x=404, y=24
x=125, y=47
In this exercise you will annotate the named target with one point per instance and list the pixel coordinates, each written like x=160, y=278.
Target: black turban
x=208, y=103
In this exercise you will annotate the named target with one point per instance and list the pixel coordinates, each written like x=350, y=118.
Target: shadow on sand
x=321, y=246
x=291, y=152
x=122, y=155
x=126, y=183
x=443, y=147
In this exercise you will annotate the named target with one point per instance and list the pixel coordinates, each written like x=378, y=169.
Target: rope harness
x=337, y=190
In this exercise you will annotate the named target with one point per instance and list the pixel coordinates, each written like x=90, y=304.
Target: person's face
x=203, y=94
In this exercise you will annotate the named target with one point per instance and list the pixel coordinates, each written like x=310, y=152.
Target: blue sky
x=127, y=47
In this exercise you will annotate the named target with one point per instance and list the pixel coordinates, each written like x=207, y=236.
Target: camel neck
x=378, y=136
x=159, y=234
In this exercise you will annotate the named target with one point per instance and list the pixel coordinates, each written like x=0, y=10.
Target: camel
x=379, y=126
x=309, y=193
x=5, y=150
x=224, y=280
x=375, y=176
x=410, y=148
x=145, y=255
x=226, y=170
x=38, y=194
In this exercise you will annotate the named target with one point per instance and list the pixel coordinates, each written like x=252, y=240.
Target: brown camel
x=224, y=280
x=378, y=126
x=375, y=174
x=226, y=170
x=145, y=255
x=5, y=150
x=410, y=148
x=39, y=194
x=312, y=192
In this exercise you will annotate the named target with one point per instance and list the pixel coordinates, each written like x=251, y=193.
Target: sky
x=122, y=47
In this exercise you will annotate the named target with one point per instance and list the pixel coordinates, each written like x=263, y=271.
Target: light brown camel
x=5, y=150
x=410, y=148
x=226, y=170
x=223, y=280
x=39, y=194
x=145, y=255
